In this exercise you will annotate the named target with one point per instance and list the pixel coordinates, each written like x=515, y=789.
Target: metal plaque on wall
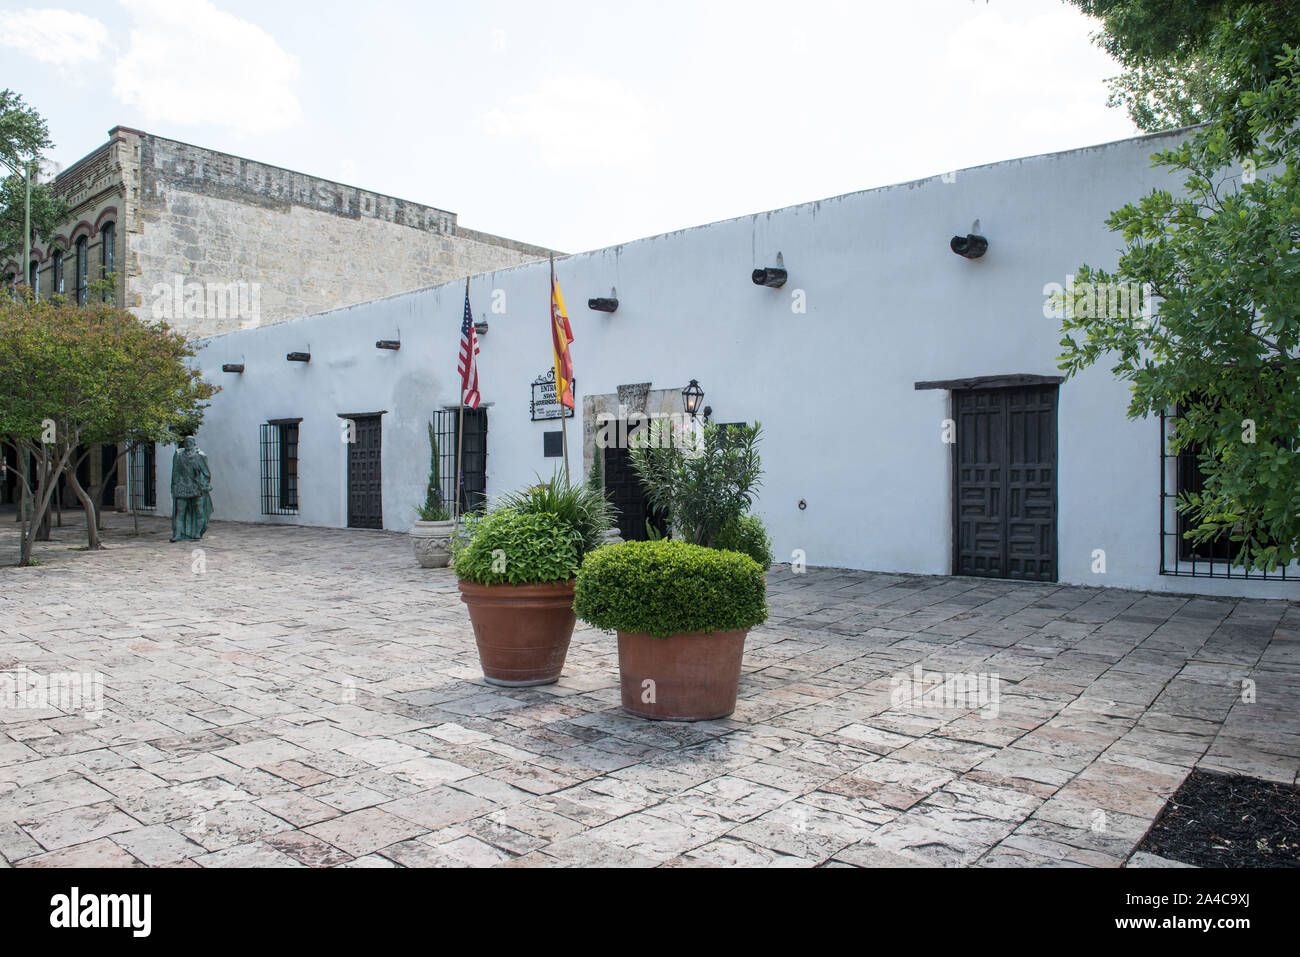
x=545, y=404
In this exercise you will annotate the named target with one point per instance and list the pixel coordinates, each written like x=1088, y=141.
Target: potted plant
x=516, y=567
x=681, y=612
x=432, y=531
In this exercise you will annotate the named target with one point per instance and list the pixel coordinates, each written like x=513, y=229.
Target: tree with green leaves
x=1222, y=351
x=1191, y=61
x=24, y=141
x=73, y=376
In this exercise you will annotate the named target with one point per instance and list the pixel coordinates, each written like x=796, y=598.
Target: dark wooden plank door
x=365, y=474
x=1004, y=496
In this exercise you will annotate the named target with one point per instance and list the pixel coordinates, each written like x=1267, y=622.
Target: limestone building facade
x=212, y=243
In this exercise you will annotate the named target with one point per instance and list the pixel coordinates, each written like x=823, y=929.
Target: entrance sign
x=545, y=404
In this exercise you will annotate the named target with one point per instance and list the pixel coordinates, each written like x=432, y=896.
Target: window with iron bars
x=142, y=476
x=473, y=455
x=280, y=467
x=1216, y=558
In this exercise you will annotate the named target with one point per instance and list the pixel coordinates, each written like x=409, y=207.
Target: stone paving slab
x=280, y=696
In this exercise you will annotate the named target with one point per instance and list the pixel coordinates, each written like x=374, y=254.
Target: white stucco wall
x=888, y=304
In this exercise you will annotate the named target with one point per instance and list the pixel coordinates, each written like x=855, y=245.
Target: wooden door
x=1004, y=496
x=365, y=473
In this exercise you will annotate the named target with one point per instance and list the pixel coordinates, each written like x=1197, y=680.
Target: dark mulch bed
x=1222, y=820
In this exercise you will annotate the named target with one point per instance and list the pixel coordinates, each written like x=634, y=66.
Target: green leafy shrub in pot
x=669, y=587
x=507, y=547
x=747, y=535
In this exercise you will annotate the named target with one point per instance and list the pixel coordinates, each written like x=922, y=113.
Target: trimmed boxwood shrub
x=747, y=534
x=669, y=587
x=506, y=547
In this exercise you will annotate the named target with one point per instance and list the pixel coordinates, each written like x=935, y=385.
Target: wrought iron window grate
x=141, y=476
x=473, y=466
x=1178, y=555
x=279, y=472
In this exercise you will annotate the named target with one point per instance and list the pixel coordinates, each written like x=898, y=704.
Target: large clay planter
x=522, y=631
x=696, y=675
x=431, y=543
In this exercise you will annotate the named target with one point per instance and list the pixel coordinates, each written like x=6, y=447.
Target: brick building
x=212, y=242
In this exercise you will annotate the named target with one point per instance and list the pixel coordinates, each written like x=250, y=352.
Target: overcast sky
x=575, y=124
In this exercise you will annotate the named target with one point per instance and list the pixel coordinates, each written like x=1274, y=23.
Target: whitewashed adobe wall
x=887, y=304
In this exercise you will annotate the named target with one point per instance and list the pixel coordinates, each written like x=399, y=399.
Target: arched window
x=107, y=238
x=34, y=278
x=82, y=278
x=56, y=280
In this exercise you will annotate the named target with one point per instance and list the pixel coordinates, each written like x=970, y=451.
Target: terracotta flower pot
x=522, y=631
x=686, y=677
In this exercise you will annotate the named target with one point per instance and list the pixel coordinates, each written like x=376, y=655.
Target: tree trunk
x=98, y=493
x=92, y=532
x=49, y=484
x=40, y=502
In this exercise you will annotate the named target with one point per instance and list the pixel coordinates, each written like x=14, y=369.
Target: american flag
x=467, y=365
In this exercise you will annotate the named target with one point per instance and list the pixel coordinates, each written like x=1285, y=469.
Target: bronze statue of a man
x=191, y=485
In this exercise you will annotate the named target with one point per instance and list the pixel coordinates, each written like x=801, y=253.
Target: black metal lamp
x=692, y=397
x=299, y=357
x=393, y=344
x=481, y=328
x=237, y=367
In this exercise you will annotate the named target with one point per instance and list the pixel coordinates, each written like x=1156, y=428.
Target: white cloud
x=191, y=63
x=578, y=121
x=60, y=37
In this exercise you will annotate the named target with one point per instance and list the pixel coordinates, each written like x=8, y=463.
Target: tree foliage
x=24, y=140
x=72, y=376
x=1223, y=258
x=1191, y=61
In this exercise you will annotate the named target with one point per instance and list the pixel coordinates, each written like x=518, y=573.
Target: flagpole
x=460, y=429
x=564, y=419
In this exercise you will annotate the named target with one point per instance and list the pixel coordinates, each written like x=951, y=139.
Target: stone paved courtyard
x=301, y=696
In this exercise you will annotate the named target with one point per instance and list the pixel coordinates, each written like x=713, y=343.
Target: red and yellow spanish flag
x=561, y=337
